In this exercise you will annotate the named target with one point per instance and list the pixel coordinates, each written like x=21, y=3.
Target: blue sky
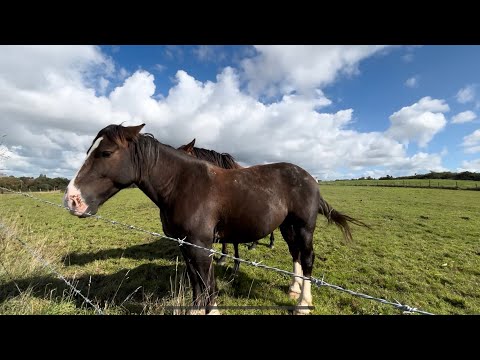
x=337, y=111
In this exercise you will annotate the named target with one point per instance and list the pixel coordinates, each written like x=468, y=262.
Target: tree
x=388, y=177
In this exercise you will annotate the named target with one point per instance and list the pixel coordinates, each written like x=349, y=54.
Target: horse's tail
x=341, y=220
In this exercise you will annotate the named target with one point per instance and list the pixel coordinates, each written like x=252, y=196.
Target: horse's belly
x=251, y=227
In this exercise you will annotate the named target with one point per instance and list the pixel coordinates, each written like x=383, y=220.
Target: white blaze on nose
x=73, y=193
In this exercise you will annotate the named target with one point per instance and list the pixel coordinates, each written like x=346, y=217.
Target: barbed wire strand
x=50, y=267
x=181, y=242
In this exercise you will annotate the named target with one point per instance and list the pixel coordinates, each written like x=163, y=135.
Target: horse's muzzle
x=76, y=205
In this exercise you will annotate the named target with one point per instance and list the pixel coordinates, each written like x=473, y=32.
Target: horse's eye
x=106, y=154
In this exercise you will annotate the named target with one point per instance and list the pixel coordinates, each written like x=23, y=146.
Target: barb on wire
x=50, y=267
x=317, y=282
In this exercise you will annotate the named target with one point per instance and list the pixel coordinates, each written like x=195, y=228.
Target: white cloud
x=418, y=122
x=408, y=57
x=50, y=127
x=473, y=166
x=285, y=68
x=123, y=74
x=212, y=53
x=466, y=94
x=464, y=117
x=159, y=68
x=412, y=82
x=471, y=142
x=174, y=52
x=472, y=149
x=33, y=67
x=102, y=85
x=472, y=139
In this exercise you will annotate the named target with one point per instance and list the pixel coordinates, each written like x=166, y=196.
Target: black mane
x=223, y=160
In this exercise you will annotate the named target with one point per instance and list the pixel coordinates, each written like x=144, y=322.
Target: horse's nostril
x=73, y=203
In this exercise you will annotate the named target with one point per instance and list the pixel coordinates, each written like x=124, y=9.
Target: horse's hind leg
x=272, y=239
x=222, y=259
x=288, y=234
x=307, y=257
x=236, y=266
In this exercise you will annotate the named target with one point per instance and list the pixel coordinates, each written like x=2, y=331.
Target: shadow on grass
x=158, y=249
x=101, y=289
x=147, y=280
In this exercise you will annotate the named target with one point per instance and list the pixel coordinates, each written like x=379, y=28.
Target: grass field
x=423, y=250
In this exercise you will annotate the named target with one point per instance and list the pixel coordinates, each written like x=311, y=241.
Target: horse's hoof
x=293, y=295
x=271, y=246
x=303, y=308
x=253, y=246
x=301, y=312
x=214, y=312
x=196, y=312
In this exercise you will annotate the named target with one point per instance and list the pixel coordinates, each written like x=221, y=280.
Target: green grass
x=423, y=250
x=440, y=183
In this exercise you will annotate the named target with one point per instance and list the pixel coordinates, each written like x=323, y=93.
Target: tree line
x=44, y=183
x=448, y=175
x=41, y=183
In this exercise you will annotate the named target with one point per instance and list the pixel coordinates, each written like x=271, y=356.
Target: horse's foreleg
x=201, y=273
x=196, y=307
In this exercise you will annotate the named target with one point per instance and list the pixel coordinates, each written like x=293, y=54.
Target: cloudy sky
x=337, y=111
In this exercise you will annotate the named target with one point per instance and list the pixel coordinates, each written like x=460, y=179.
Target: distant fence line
x=431, y=184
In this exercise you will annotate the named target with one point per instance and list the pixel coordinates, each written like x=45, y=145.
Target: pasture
x=423, y=250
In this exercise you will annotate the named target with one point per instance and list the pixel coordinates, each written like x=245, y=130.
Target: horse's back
x=285, y=175
x=256, y=200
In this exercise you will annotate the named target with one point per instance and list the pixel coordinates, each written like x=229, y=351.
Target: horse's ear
x=189, y=146
x=133, y=131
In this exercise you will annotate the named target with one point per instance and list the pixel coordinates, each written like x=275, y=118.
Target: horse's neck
x=157, y=180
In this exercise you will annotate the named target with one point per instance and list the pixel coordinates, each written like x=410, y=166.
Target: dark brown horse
x=203, y=202
x=225, y=161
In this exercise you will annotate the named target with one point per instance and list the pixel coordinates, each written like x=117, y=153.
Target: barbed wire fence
x=181, y=242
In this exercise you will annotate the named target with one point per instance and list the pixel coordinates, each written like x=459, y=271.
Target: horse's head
x=107, y=169
x=188, y=148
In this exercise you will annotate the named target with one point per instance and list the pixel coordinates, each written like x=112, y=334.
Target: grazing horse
x=225, y=161
x=202, y=202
